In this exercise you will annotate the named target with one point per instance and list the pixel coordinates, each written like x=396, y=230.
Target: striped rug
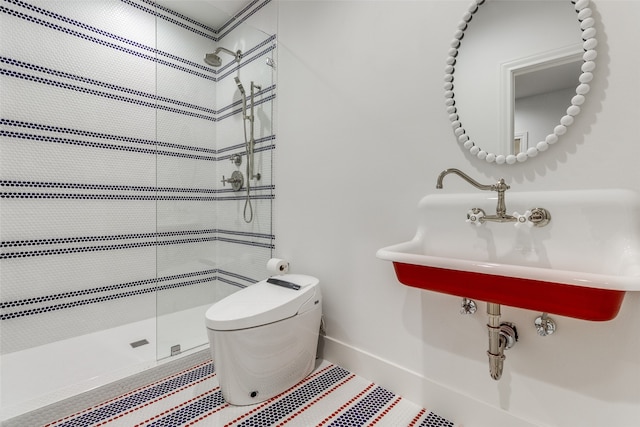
x=330, y=396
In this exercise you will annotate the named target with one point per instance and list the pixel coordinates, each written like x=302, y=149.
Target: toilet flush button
x=283, y=283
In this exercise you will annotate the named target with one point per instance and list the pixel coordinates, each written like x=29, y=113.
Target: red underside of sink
x=547, y=297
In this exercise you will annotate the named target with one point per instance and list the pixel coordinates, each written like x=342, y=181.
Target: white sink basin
x=579, y=265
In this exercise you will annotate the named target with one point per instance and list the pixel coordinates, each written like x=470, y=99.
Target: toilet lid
x=261, y=303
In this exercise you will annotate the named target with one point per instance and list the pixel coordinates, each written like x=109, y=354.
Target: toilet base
x=256, y=364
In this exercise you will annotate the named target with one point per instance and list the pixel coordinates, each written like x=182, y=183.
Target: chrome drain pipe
x=496, y=342
x=502, y=336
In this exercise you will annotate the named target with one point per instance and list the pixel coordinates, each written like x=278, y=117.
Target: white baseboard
x=463, y=410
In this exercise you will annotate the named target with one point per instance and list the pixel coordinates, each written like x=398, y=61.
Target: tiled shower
x=116, y=229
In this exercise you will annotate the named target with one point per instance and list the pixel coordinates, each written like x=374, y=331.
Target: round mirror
x=517, y=74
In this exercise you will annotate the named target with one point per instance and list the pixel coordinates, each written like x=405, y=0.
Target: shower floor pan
x=40, y=376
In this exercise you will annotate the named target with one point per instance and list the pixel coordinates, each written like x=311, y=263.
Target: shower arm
x=237, y=54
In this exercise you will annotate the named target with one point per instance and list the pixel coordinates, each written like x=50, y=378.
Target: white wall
x=539, y=114
x=362, y=135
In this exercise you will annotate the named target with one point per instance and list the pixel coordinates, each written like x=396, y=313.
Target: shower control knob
x=236, y=180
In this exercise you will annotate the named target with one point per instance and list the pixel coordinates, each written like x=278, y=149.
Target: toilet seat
x=263, y=303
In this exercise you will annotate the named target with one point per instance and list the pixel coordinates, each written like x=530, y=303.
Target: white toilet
x=264, y=337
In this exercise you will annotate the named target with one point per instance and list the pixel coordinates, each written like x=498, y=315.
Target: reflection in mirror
x=539, y=97
x=518, y=66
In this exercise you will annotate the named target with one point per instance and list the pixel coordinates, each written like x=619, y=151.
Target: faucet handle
x=474, y=216
x=536, y=217
x=523, y=220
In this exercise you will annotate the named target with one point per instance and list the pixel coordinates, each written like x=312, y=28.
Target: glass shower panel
x=205, y=249
x=245, y=236
x=78, y=262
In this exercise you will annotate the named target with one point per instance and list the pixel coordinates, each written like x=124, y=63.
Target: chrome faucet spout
x=463, y=176
x=500, y=187
x=536, y=217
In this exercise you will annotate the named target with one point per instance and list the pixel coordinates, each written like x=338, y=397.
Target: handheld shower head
x=244, y=97
x=214, y=60
x=240, y=87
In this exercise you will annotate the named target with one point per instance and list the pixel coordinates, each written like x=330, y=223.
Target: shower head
x=240, y=87
x=214, y=60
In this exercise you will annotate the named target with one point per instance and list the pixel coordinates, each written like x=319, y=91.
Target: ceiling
x=564, y=76
x=213, y=13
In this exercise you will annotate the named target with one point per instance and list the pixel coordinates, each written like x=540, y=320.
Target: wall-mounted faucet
x=538, y=217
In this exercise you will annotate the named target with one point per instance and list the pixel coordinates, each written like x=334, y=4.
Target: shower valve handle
x=236, y=180
x=229, y=180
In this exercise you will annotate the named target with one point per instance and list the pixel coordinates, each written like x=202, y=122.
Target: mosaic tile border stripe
x=86, y=80
x=96, y=40
x=14, y=309
x=100, y=299
x=182, y=21
x=156, y=9
x=108, y=288
x=154, y=101
x=152, y=240
x=238, y=19
x=98, y=135
x=262, y=143
x=329, y=396
x=233, y=22
x=155, y=197
x=106, y=33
